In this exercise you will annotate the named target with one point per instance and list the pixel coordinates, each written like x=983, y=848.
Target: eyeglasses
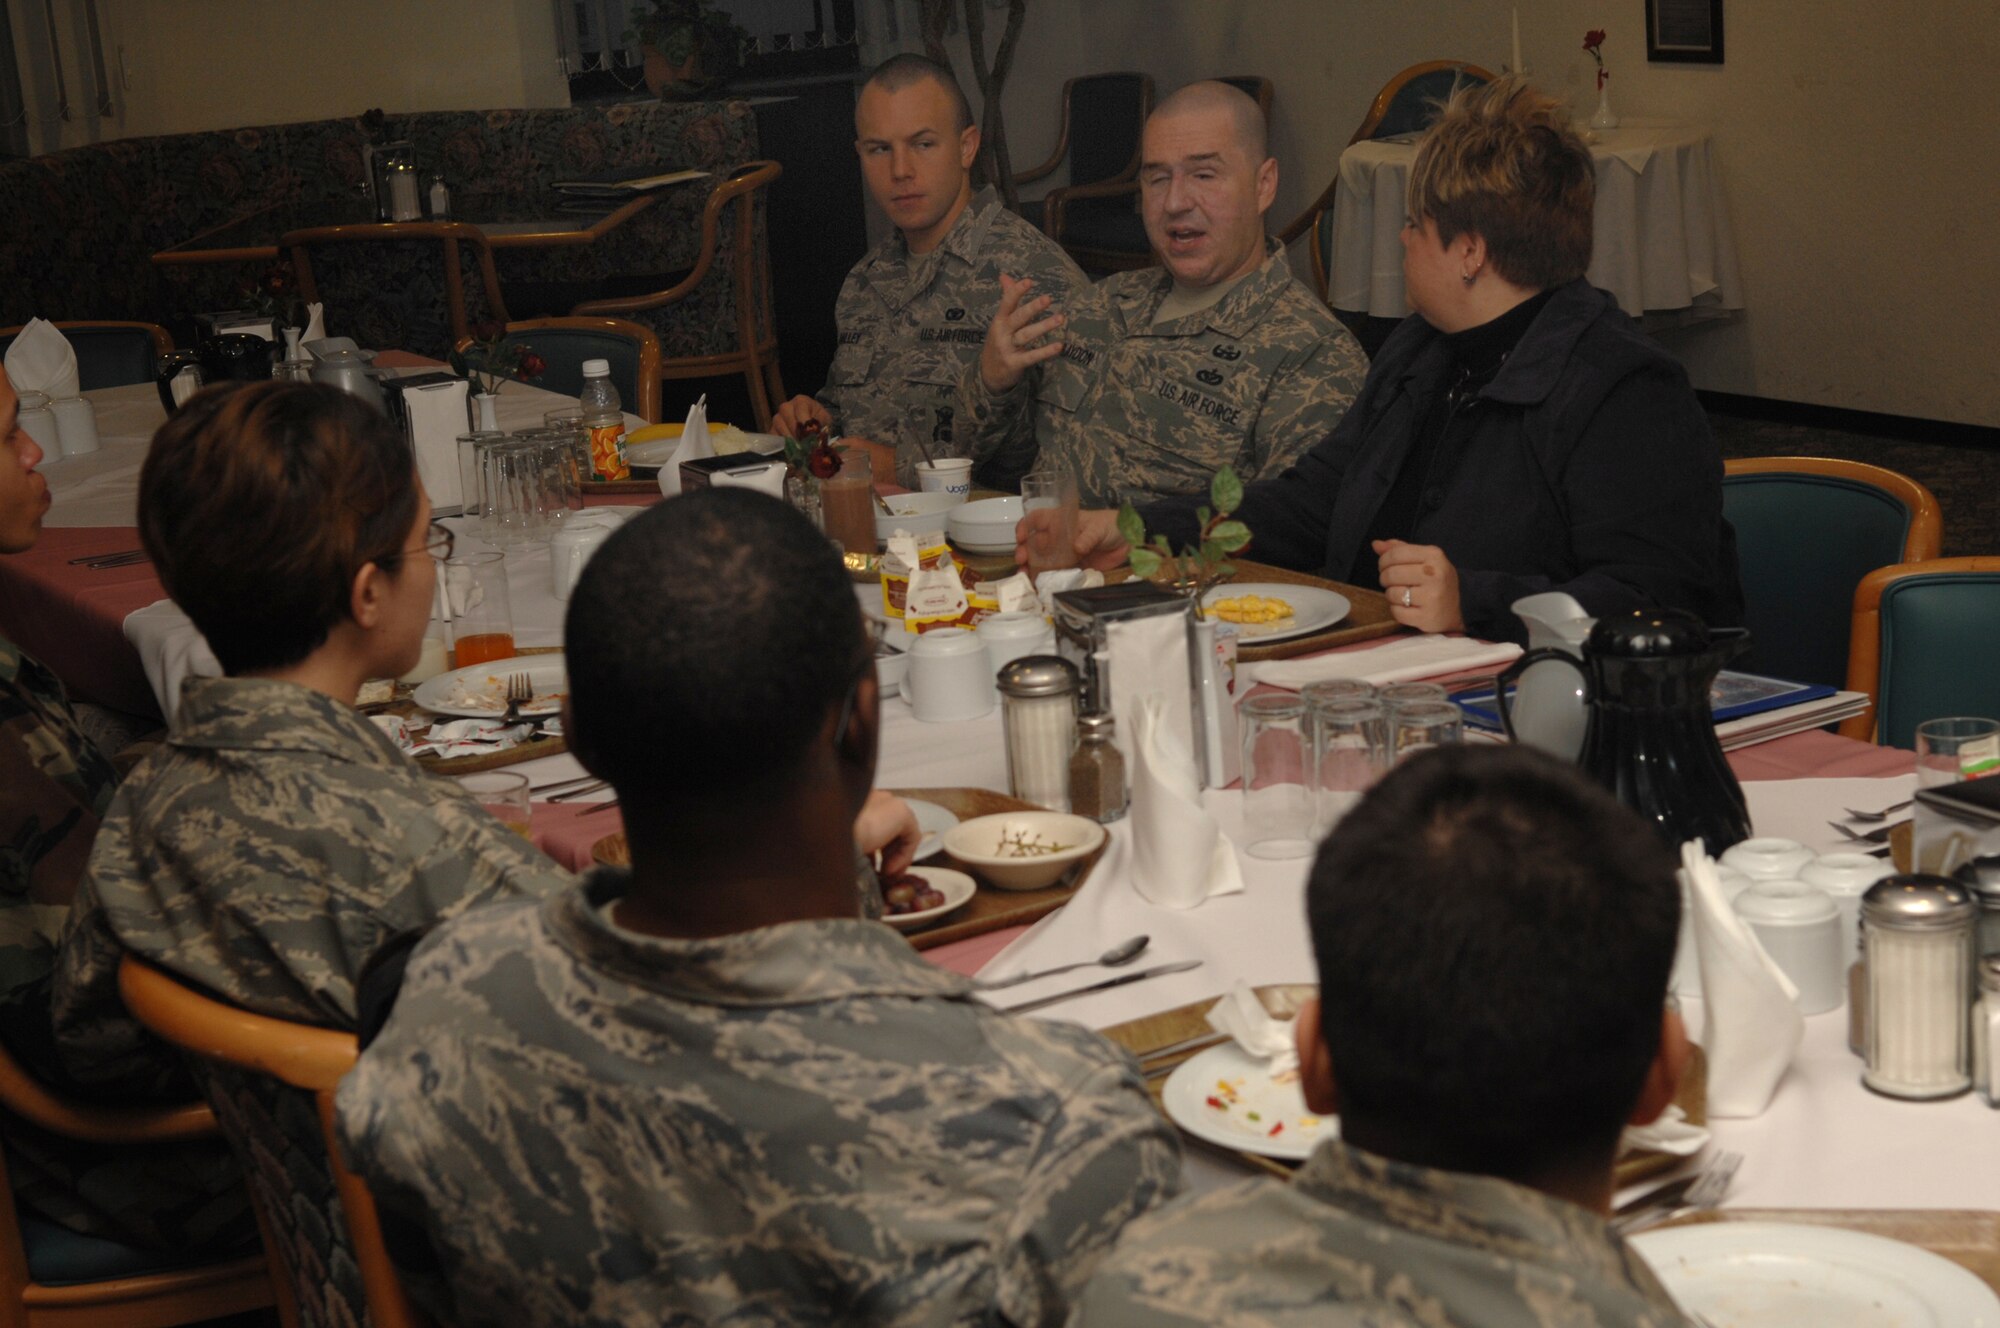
x=438, y=541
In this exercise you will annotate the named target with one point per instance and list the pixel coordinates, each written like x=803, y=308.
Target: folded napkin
x=1752, y=1024
x=1179, y=855
x=315, y=323
x=1397, y=661
x=1672, y=1133
x=1243, y=1017
x=1050, y=584
x=694, y=445
x=171, y=650
x=42, y=360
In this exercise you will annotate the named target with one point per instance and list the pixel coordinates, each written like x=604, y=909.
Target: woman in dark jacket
x=1519, y=433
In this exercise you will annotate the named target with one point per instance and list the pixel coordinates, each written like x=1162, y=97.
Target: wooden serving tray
x=989, y=909
x=1368, y=618
x=549, y=744
x=1148, y=1034
x=1969, y=1237
x=606, y=488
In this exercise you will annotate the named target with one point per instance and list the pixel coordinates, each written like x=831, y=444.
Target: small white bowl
x=987, y=525
x=918, y=513
x=1768, y=859
x=976, y=843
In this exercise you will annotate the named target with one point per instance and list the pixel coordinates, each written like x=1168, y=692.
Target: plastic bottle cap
x=597, y=368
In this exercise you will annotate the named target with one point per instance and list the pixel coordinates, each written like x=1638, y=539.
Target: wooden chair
x=748, y=270
x=125, y=1300
x=109, y=353
x=1094, y=217
x=1923, y=635
x=565, y=343
x=1808, y=529
x=393, y=297
x=262, y=1052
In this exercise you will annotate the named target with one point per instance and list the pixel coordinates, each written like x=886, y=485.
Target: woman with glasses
x=278, y=838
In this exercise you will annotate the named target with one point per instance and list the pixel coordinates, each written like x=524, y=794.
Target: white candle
x=1517, y=39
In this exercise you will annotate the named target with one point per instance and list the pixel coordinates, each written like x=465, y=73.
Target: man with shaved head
x=914, y=310
x=1144, y=385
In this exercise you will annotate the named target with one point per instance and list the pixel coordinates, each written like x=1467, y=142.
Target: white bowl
x=918, y=513
x=985, y=526
x=976, y=843
x=1768, y=858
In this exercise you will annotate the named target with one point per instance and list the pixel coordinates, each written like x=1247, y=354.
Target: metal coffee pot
x=339, y=362
x=233, y=356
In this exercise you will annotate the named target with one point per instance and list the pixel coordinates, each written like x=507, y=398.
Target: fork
x=1871, y=818
x=1704, y=1194
x=1876, y=836
x=519, y=689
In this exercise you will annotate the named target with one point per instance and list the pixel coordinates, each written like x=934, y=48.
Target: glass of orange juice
x=503, y=793
x=482, y=619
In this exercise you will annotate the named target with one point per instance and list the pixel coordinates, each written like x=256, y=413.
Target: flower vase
x=1605, y=118
x=802, y=492
x=485, y=412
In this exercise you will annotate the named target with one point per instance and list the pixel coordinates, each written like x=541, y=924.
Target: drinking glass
x=568, y=421
x=515, y=494
x=1957, y=748
x=471, y=479
x=1336, y=689
x=475, y=587
x=504, y=793
x=1277, y=777
x=1411, y=693
x=1350, y=736
x=847, y=504
x=1051, y=546
x=1423, y=724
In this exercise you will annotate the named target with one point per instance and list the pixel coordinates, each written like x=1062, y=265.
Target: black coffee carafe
x=1651, y=732
x=240, y=356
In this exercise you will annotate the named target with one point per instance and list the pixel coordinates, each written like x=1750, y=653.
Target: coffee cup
x=950, y=676
x=953, y=475
x=572, y=547
x=1799, y=927
x=1009, y=636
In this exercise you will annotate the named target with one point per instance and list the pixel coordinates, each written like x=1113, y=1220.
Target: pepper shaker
x=1038, y=704
x=1986, y=1031
x=1097, y=770
x=1917, y=940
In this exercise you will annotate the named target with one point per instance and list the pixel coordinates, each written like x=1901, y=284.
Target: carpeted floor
x=1965, y=478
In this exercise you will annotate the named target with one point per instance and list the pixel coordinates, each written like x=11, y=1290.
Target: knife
x=1660, y=1196
x=1103, y=984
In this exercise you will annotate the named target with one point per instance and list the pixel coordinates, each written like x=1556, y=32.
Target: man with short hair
x=1157, y=378
x=1484, y=1049
x=702, y=1090
x=914, y=310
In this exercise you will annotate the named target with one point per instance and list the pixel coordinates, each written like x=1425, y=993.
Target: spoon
x=1870, y=818
x=1122, y=953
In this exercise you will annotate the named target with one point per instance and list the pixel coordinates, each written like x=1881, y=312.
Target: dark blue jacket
x=1591, y=470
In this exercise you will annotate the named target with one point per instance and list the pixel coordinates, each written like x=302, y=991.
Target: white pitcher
x=1548, y=707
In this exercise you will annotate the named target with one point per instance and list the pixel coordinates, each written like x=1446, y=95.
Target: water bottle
x=604, y=420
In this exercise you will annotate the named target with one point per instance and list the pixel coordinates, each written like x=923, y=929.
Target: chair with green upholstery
x=565, y=343
x=1807, y=530
x=1924, y=637
x=109, y=354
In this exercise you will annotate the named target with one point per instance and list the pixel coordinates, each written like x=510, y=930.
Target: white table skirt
x=1662, y=238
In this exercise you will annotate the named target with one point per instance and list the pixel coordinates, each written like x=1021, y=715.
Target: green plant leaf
x=1229, y=536
x=1131, y=528
x=1203, y=516
x=1145, y=563
x=1224, y=569
x=1225, y=490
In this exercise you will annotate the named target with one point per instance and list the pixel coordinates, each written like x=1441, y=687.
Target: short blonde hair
x=1502, y=163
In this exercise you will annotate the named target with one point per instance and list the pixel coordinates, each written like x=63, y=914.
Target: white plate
x=1186, y=1094
x=1754, y=1274
x=956, y=887
x=1313, y=609
x=546, y=673
x=933, y=820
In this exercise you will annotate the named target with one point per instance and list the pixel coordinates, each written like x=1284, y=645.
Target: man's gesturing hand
x=1010, y=349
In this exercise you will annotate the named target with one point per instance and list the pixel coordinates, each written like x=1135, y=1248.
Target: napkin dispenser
x=1083, y=619
x=1953, y=824
x=430, y=409
x=747, y=471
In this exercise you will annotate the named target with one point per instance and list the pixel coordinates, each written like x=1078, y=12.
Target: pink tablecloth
x=72, y=619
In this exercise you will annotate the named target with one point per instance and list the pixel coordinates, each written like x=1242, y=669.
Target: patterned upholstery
x=1106, y=114
x=78, y=228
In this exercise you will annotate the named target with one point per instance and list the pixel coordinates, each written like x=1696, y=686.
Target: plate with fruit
x=1271, y=611
x=922, y=895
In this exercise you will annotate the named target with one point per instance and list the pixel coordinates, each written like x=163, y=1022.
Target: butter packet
x=907, y=553
x=936, y=598
x=1015, y=594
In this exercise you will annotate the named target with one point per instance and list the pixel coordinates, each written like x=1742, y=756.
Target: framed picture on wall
x=1689, y=31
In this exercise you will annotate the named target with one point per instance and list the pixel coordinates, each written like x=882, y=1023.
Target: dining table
x=1824, y=1141
x=1661, y=241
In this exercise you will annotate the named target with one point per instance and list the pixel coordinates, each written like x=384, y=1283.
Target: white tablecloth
x=1661, y=225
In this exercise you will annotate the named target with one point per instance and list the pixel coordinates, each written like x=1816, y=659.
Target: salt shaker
x=1038, y=704
x=440, y=198
x=1986, y=1032
x=1917, y=943
x=1097, y=770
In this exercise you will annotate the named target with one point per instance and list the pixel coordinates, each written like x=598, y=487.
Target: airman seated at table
x=1154, y=379
x=914, y=310
x=1493, y=936
x=1517, y=433
x=770, y=1110
x=55, y=787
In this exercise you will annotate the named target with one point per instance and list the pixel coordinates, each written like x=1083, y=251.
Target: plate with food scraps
x=1229, y=1097
x=481, y=689
x=933, y=820
x=935, y=891
x=1267, y=611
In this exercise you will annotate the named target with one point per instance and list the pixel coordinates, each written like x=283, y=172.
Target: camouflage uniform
x=1360, y=1240
x=264, y=853
x=802, y=1124
x=1140, y=412
x=910, y=324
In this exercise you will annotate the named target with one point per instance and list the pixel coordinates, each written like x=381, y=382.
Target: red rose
x=1593, y=39
x=532, y=364
x=489, y=330
x=823, y=462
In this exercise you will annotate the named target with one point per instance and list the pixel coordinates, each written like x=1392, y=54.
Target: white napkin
x=1243, y=1017
x=1050, y=584
x=1398, y=661
x=1671, y=1133
x=42, y=360
x=1751, y=1024
x=694, y=445
x=315, y=323
x=1179, y=855
x=171, y=650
